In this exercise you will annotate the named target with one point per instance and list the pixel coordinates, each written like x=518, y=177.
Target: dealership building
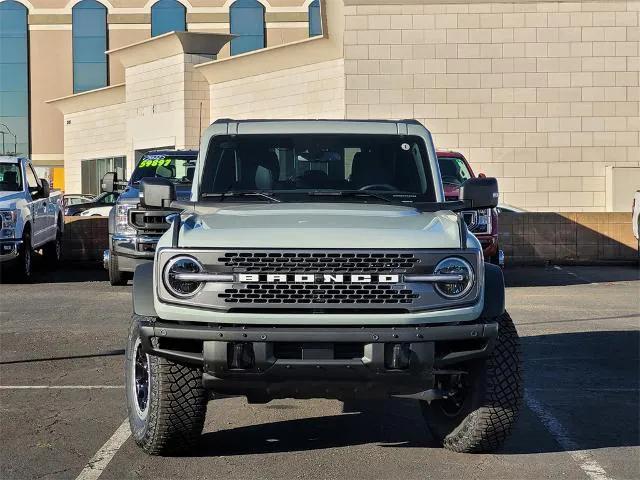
x=542, y=95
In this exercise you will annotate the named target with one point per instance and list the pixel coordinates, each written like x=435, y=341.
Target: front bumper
x=328, y=362
x=9, y=250
x=133, y=250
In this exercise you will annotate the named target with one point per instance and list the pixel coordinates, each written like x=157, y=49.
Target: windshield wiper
x=226, y=194
x=353, y=193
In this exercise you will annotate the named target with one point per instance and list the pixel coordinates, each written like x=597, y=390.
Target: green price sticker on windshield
x=157, y=162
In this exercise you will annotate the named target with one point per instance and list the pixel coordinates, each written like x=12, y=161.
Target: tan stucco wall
x=309, y=91
x=119, y=37
x=541, y=95
x=96, y=133
x=51, y=76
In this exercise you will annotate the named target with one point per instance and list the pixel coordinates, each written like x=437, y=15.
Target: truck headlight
x=9, y=218
x=176, y=266
x=122, y=219
x=454, y=266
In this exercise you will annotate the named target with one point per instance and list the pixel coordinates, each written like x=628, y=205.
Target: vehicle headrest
x=367, y=169
x=448, y=168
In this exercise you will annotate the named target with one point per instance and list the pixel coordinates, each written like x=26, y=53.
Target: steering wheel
x=384, y=186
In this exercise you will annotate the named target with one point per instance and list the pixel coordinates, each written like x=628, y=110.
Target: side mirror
x=482, y=175
x=480, y=192
x=46, y=189
x=108, y=184
x=157, y=192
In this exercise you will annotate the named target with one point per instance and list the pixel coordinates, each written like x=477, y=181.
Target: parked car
x=105, y=199
x=31, y=216
x=319, y=259
x=97, y=211
x=635, y=217
x=133, y=229
x=455, y=170
x=76, y=198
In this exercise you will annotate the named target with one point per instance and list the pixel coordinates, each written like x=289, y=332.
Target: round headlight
x=454, y=266
x=177, y=286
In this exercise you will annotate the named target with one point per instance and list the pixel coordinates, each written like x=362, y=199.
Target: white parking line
x=60, y=387
x=101, y=459
x=583, y=458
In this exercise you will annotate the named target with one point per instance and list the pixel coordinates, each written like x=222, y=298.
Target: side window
x=32, y=180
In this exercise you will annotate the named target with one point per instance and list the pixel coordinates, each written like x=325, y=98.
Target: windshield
x=453, y=170
x=10, y=177
x=178, y=168
x=298, y=165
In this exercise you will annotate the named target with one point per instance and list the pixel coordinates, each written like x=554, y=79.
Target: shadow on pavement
x=588, y=381
x=554, y=276
x=66, y=272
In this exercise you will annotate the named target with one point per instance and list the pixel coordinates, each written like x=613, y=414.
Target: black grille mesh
x=341, y=293
x=302, y=262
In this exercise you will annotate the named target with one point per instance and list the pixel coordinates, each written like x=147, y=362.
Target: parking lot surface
x=62, y=401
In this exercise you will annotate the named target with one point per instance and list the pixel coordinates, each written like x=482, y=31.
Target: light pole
x=15, y=139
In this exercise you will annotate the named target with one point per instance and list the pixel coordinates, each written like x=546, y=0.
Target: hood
x=10, y=199
x=131, y=193
x=319, y=225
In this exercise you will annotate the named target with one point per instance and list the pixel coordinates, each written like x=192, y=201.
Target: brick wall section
x=560, y=238
x=309, y=91
x=85, y=239
x=540, y=95
x=95, y=133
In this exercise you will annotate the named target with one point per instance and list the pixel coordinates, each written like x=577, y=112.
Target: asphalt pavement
x=62, y=401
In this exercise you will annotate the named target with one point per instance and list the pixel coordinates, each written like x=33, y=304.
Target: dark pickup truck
x=134, y=230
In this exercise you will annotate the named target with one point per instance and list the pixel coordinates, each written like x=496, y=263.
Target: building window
x=14, y=79
x=168, y=16
x=89, y=46
x=247, y=22
x=315, y=20
x=93, y=170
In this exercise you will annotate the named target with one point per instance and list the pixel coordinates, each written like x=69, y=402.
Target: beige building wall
x=542, y=95
x=95, y=133
x=129, y=21
x=309, y=91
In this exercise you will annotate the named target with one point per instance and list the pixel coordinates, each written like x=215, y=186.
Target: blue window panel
x=315, y=19
x=89, y=46
x=13, y=50
x=89, y=49
x=12, y=103
x=168, y=16
x=247, y=21
x=13, y=77
x=89, y=76
x=14, y=74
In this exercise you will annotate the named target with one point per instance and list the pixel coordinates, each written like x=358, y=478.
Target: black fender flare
x=493, y=291
x=143, y=291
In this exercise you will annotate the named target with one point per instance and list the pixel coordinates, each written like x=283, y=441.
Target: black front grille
x=150, y=222
x=342, y=293
x=303, y=262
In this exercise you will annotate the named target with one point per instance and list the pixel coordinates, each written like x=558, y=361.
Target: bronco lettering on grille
x=317, y=278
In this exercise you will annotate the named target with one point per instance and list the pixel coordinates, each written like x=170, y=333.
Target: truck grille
x=303, y=262
x=371, y=294
x=150, y=222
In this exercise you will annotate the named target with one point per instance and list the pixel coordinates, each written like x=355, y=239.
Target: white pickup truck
x=31, y=216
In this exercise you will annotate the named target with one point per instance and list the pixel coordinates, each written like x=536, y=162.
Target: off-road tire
x=116, y=276
x=490, y=409
x=53, y=250
x=25, y=258
x=177, y=402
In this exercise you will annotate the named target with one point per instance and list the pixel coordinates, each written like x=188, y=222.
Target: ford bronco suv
x=319, y=259
x=133, y=229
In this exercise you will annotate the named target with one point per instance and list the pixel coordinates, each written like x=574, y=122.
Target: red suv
x=455, y=170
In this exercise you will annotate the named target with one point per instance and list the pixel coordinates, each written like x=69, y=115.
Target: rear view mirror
x=157, y=192
x=480, y=192
x=108, y=184
x=46, y=189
